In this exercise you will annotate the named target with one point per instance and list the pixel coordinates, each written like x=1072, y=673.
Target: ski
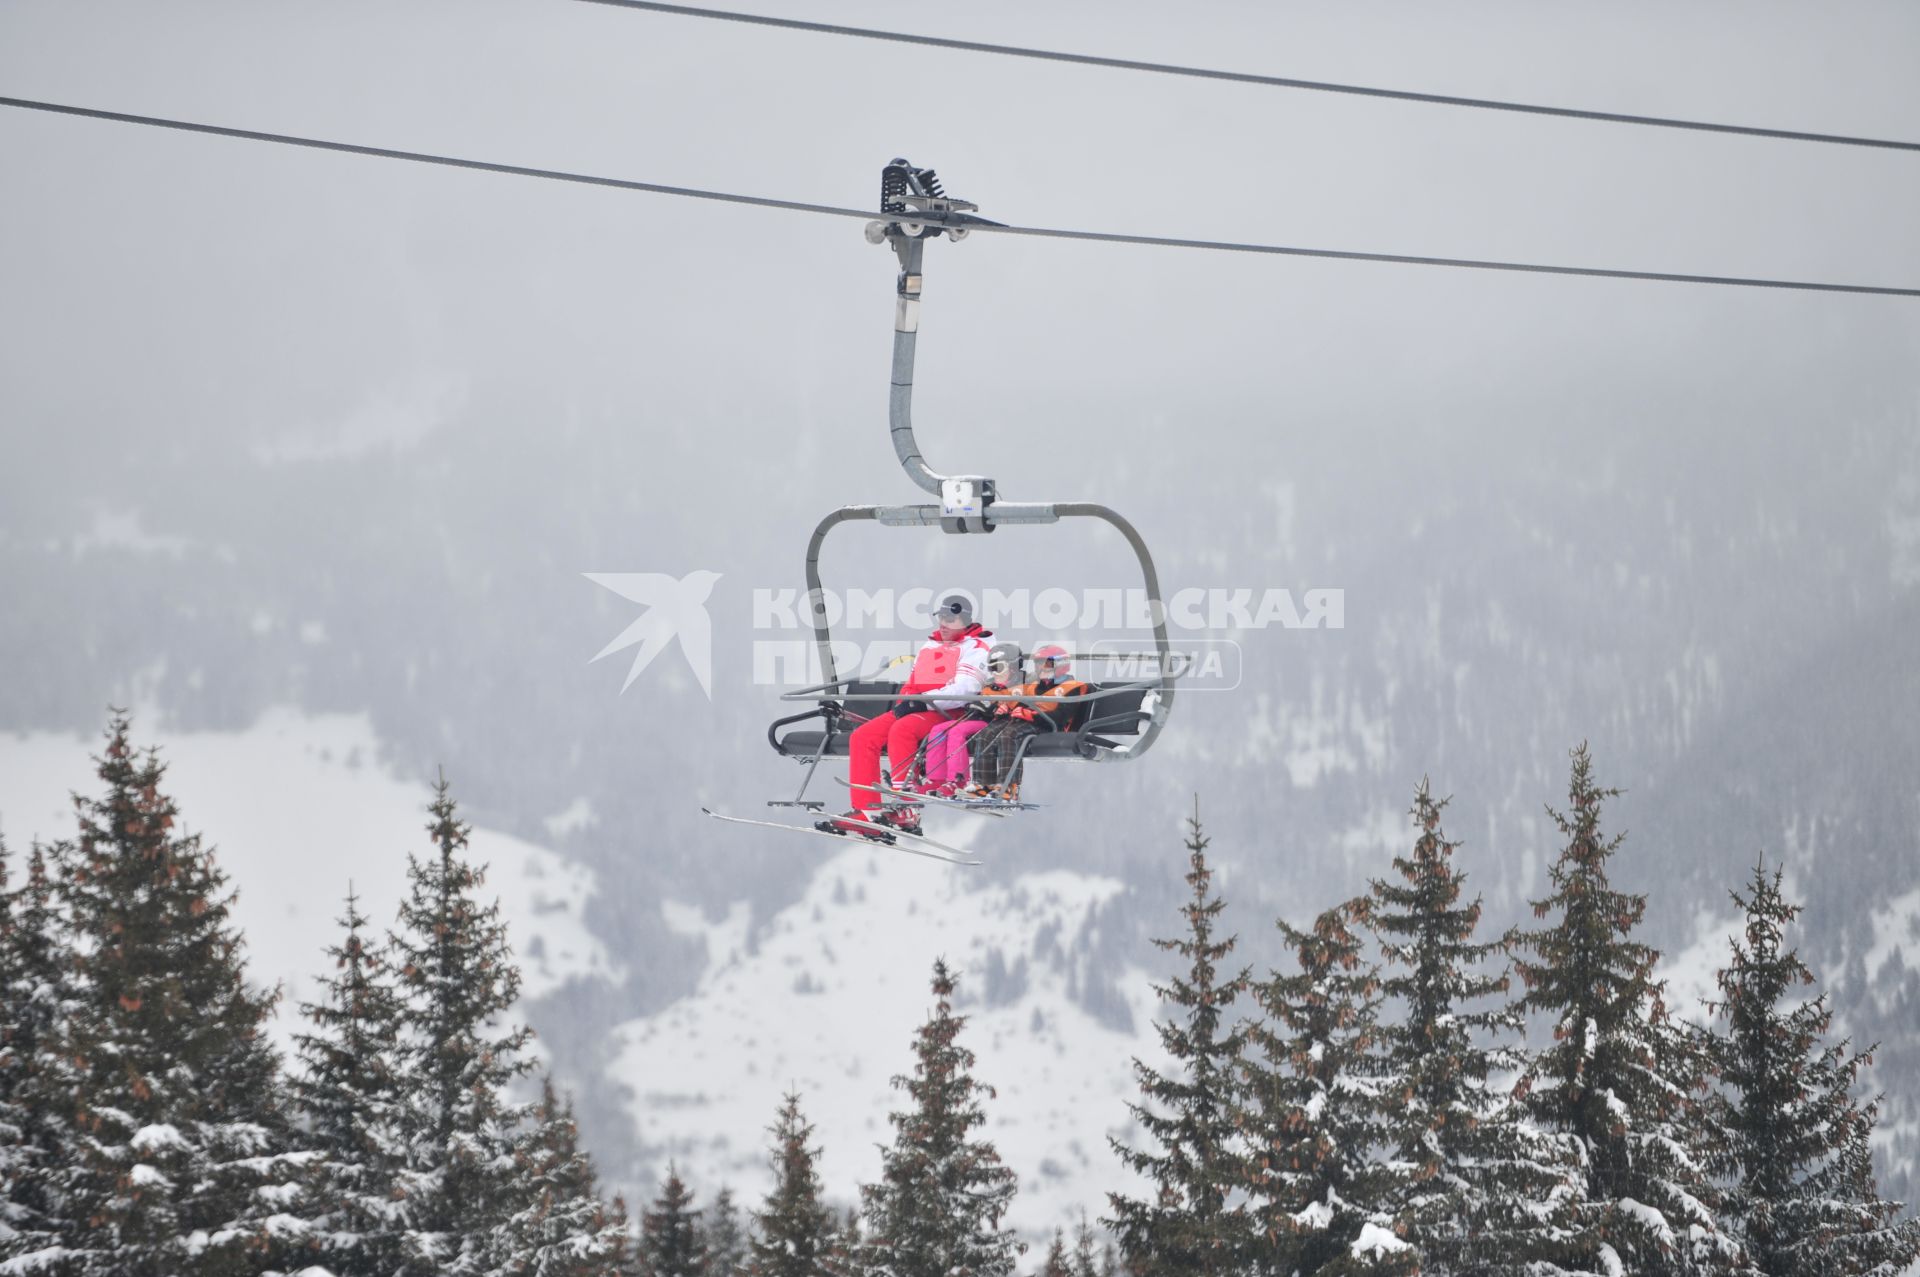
x=917, y=843
x=983, y=806
x=899, y=840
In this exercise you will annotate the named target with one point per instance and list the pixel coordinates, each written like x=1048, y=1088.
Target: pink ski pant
x=947, y=750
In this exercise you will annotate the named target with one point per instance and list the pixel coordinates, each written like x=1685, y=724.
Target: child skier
x=995, y=774
x=947, y=742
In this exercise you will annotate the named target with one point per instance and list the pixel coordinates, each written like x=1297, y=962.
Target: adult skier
x=949, y=667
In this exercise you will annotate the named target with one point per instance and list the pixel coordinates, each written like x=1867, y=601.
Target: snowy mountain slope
x=1692, y=973
x=1508, y=596
x=296, y=808
x=826, y=1001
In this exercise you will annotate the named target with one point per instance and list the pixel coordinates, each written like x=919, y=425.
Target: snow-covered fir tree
x=180, y=1158
x=560, y=1226
x=18, y=1150
x=943, y=1191
x=1802, y=1198
x=1322, y=1192
x=670, y=1241
x=1190, y=1220
x=1623, y=1079
x=1086, y=1256
x=1057, y=1263
x=795, y=1232
x=1475, y=1186
x=457, y=1057
x=34, y=990
x=845, y=1256
x=723, y=1236
x=347, y=1090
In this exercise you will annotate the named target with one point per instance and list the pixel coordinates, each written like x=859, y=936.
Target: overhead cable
x=1247, y=77
x=1105, y=237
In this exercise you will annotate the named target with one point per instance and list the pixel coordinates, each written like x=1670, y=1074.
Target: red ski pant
x=900, y=737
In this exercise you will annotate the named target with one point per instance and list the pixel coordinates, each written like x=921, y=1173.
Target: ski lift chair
x=1120, y=720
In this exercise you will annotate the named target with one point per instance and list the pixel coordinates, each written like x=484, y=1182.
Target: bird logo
x=676, y=608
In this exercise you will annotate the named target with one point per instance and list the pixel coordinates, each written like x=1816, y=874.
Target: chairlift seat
x=1101, y=722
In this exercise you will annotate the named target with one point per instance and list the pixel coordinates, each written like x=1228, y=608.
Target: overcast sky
x=220, y=286
x=217, y=305
x=1669, y=509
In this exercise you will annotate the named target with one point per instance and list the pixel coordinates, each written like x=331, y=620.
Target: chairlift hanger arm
x=918, y=209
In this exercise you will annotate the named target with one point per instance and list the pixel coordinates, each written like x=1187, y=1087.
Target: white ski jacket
x=947, y=668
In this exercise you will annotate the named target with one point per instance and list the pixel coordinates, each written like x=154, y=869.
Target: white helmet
x=1005, y=657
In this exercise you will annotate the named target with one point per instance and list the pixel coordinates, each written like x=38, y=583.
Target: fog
x=247, y=391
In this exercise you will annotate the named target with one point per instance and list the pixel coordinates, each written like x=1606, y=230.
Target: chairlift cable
x=1266, y=81
x=801, y=206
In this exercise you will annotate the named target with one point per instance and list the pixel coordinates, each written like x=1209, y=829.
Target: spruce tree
x=1057, y=1264
x=181, y=1160
x=1622, y=1079
x=17, y=1149
x=943, y=1191
x=670, y=1241
x=1802, y=1197
x=348, y=1090
x=560, y=1227
x=846, y=1256
x=34, y=992
x=1086, y=1262
x=724, y=1240
x=795, y=1228
x=458, y=1058
x=1087, y=1252
x=1322, y=1193
x=1476, y=1186
x=1189, y=1222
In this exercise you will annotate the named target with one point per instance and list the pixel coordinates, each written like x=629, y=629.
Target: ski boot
x=904, y=818
x=857, y=822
